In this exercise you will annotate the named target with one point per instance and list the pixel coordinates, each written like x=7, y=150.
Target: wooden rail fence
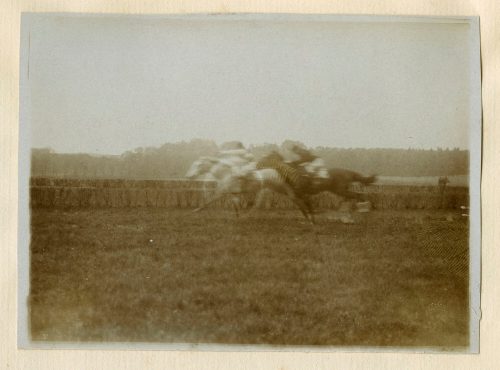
x=98, y=193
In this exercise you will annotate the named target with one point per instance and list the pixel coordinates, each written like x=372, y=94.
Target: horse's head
x=304, y=154
x=200, y=167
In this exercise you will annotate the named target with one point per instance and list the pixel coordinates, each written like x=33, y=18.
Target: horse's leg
x=348, y=196
x=236, y=204
x=256, y=202
x=301, y=203
x=361, y=203
x=310, y=209
x=305, y=206
x=304, y=209
x=258, y=199
x=217, y=196
x=223, y=188
x=308, y=202
x=258, y=187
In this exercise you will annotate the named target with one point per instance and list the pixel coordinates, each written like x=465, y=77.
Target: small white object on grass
x=363, y=206
x=347, y=219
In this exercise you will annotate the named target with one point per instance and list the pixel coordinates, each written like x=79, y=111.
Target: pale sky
x=110, y=84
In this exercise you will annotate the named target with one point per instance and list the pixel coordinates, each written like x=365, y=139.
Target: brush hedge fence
x=98, y=193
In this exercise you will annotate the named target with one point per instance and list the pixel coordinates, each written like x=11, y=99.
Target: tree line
x=172, y=160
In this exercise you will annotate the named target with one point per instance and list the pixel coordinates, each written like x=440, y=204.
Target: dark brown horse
x=338, y=182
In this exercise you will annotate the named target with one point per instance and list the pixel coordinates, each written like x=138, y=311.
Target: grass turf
x=158, y=275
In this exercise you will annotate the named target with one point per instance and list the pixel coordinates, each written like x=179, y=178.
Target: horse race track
x=394, y=278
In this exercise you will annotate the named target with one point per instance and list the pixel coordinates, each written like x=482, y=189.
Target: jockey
x=237, y=157
x=313, y=164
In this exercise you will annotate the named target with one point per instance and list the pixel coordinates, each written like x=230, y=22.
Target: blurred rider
x=313, y=164
x=235, y=155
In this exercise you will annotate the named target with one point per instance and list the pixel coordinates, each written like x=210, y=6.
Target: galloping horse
x=334, y=180
x=221, y=173
x=274, y=174
x=337, y=181
x=254, y=181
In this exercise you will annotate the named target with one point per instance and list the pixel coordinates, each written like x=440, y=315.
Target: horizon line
x=253, y=145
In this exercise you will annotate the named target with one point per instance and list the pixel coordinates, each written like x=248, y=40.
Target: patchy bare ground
x=158, y=275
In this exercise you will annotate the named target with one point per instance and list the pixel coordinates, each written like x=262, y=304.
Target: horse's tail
x=365, y=180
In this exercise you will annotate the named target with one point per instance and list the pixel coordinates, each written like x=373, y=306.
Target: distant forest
x=173, y=160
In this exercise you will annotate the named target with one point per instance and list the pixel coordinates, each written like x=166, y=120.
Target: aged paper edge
x=475, y=173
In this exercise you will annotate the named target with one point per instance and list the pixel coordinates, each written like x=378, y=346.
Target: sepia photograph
x=249, y=182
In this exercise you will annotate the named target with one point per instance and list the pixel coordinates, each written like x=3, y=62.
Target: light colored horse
x=234, y=183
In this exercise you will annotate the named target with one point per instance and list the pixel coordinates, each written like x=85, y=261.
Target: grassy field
x=390, y=279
